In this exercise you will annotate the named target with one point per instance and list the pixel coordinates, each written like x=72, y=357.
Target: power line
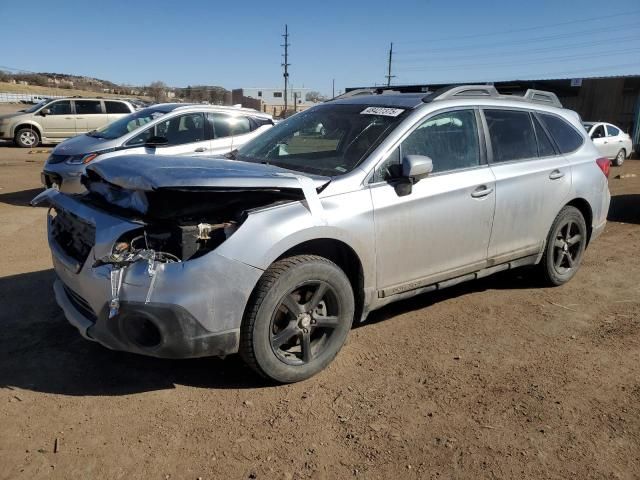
x=547, y=60
x=537, y=27
x=476, y=46
x=521, y=52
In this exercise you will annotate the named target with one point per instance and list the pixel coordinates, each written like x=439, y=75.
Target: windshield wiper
x=94, y=134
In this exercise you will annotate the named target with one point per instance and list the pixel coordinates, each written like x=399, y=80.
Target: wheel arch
x=32, y=126
x=340, y=253
x=585, y=209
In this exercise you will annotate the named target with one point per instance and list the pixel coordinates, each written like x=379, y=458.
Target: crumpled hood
x=83, y=144
x=150, y=173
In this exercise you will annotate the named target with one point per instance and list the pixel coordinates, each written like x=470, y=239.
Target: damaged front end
x=136, y=254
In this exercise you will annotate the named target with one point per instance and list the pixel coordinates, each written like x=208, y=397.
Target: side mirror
x=45, y=111
x=153, y=142
x=416, y=167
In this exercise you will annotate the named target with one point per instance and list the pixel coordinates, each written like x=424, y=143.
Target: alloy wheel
x=28, y=138
x=303, y=322
x=567, y=247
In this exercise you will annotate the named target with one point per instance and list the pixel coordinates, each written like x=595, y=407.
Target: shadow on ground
x=40, y=351
x=21, y=198
x=625, y=208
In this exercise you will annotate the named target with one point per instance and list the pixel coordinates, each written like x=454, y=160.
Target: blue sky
x=237, y=44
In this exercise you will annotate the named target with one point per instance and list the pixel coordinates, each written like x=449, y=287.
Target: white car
x=612, y=142
x=164, y=129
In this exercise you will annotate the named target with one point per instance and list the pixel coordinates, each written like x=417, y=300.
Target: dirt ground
x=493, y=379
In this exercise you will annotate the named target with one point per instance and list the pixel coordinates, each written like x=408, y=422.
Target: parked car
x=164, y=129
x=332, y=213
x=611, y=141
x=52, y=121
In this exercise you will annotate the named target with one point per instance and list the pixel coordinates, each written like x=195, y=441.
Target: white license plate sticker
x=384, y=111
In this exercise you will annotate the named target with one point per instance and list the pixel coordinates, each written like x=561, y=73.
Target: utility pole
x=286, y=65
x=388, y=75
x=333, y=88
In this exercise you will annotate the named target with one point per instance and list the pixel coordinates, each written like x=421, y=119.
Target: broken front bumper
x=185, y=309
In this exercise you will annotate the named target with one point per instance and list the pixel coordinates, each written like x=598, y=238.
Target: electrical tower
x=388, y=75
x=286, y=65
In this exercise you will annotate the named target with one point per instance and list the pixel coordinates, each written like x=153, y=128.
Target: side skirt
x=385, y=296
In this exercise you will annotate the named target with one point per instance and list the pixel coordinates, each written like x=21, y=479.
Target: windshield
x=36, y=106
x=127, y=124
x=327, y=140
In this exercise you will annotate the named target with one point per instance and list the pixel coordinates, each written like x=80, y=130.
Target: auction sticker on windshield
x=387, y=112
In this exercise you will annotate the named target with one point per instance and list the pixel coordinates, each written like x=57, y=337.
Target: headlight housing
x=80, y=159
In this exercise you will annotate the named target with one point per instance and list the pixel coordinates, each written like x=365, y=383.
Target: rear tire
x=297, y=319
x=27, y=138
x=620, y=157
x=565, y=247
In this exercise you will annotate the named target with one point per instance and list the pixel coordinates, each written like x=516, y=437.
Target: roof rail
x=461, y=91
x=541, y=96
x=489, y=91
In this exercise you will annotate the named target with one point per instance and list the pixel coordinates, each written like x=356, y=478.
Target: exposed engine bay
x=178, y=224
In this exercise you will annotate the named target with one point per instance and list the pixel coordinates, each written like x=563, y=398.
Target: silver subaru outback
x=274, y=251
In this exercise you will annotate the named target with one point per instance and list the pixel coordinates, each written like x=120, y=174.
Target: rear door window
x=612, y=131
x=88, y=107
x=565, y=136
x=512, y=135
x=228, y=125
x=116, y=107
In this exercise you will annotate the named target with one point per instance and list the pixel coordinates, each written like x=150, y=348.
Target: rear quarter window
x=566, y=137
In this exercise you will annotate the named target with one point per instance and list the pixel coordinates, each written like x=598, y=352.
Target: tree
x=314, y=96
x=158, y=91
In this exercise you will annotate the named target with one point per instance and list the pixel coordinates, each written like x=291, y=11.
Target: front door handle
x=200, y=149
x=481, y=191
x=556, y=174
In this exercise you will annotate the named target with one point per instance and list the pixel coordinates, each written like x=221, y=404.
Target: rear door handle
x=481, y=191
x=200, y=149
x=556, y=174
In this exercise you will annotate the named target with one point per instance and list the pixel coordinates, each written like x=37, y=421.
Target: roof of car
x=170, y=107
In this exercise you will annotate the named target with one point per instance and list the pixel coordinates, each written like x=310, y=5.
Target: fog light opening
x=142, y=331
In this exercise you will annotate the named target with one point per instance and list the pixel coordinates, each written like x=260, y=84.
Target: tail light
x=604, y=164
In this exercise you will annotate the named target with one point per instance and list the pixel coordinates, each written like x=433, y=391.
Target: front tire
x=297, y=319
x=620, y=157
x=565, y=247
x=27, y=138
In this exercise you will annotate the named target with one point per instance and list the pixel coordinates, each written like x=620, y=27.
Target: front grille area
x=73, y=235
x=80, y=304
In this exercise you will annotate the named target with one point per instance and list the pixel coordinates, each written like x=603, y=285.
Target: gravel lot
x=492, y=379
